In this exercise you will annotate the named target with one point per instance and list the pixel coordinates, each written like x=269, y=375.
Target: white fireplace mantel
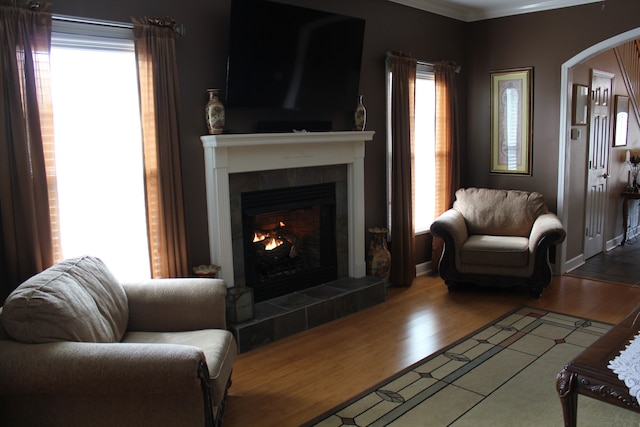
x=226, y=154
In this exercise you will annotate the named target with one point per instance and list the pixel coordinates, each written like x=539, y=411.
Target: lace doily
x=627, y=366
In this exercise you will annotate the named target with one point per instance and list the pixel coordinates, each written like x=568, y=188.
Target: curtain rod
x=402, y=54
x=180, y=28
x=458, y=68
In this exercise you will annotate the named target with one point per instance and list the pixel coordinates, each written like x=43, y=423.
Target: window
x=98, y=146
x=423, y=156
x=424, y=150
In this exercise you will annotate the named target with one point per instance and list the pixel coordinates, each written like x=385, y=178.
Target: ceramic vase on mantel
x=378, y=256
x=214, y=112
x=360, y=115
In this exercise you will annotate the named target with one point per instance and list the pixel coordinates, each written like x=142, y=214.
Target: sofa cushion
x=499, y=212
x=498, y=251
x=75, y=300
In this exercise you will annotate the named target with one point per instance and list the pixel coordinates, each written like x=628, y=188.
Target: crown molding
x=473, y=10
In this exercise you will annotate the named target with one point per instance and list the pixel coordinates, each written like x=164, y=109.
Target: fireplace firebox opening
x=289, y=239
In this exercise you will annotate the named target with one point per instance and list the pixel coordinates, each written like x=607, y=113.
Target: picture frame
x=580, y=105
x=511, y=118
x=621, y=121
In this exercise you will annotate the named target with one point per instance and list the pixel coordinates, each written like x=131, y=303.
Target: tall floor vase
x=378, y=256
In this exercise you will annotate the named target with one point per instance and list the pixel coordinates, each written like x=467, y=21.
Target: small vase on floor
x=360, y=116
x=214, y=112
x=379, y=257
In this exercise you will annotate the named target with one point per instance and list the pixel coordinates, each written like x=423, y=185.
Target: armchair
x=79, y=348
x=497, y=238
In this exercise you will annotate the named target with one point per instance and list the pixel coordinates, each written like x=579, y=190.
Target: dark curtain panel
x=403, y=259
x=25, y=130
x=159, y=99
x=447, y=146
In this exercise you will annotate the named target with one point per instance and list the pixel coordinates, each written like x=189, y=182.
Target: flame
x=272, y=243
x=267, y=240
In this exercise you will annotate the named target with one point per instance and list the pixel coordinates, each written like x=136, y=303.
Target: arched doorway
x=564, y=185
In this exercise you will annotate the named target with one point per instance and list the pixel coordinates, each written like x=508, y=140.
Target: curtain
x=26, y=138
x=403, y=259
x=154, y=40
x=447, y=146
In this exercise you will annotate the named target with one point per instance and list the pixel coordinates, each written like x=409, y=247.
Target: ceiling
x=476, y=10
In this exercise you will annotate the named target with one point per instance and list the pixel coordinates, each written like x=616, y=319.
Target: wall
x=543, y=40
x=202, y=55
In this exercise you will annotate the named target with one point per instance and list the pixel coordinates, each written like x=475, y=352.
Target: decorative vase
x=360, y=116
x=214, y=112
x=379, y=257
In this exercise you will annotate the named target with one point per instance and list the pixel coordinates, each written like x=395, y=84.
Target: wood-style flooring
x=297, y=378
x=620, y=265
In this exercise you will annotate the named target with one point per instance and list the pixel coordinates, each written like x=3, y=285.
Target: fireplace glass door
x=289, y=240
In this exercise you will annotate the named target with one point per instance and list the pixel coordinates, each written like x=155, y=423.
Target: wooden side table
x=589, y=375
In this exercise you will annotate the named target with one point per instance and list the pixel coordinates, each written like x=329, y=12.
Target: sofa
x=497, y=238
x=78, y=348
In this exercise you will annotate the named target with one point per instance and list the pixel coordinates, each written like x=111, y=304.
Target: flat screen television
x=293, y=58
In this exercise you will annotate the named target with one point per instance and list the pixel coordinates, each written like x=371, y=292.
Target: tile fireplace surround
x=237, y=153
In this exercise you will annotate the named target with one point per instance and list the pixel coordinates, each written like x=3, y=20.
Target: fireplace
x=289, y=239
x=227, y=155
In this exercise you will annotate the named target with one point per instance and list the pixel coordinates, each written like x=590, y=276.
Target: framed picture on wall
x=511, y=117
x=580, y=105
x=621, y=121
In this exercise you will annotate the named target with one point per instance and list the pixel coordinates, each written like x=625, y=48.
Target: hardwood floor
x=295, y=379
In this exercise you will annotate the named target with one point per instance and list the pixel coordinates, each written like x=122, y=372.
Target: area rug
x=501, y=375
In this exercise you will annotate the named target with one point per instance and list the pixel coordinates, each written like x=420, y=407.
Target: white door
x=598, y=161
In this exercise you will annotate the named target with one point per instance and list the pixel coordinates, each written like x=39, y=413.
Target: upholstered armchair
x=77, y=348
x=497, y=238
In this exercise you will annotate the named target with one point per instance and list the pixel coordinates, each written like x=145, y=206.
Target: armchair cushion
x=75, y=300
x=504, y=251
x=218, y=346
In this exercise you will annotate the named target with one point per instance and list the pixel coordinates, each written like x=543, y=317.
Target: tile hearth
x=289, y=314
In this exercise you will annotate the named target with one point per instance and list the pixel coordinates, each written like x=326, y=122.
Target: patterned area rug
x=501, y=375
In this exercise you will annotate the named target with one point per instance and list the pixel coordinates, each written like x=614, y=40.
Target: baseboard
x=613, y=243
x=574, y=263
x=423, y=268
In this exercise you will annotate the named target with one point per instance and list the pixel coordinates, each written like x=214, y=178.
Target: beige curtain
x=447, y=146
x=403, y=260
x=159, y=100
x=26, y=137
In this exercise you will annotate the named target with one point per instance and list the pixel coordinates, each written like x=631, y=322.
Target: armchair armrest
x=450, y=225
x=170, y=305
x=546, y=225
x=98, y=368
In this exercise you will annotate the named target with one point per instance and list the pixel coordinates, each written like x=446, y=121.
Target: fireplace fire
x=279, y=252
x=290, y=241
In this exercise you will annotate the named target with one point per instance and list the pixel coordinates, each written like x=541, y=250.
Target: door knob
x=605, y=175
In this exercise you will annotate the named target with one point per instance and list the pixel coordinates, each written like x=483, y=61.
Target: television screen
x=293, y=58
